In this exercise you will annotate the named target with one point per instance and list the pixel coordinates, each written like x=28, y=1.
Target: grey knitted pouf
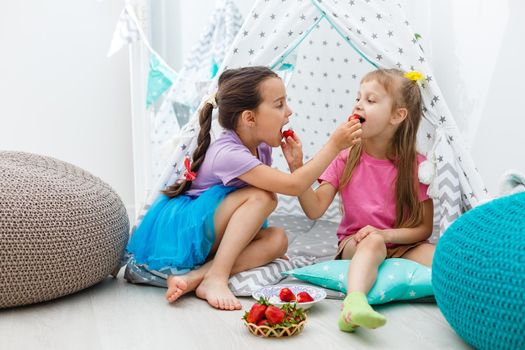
x=61, y=229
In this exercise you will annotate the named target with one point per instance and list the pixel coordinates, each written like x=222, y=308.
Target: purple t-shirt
x=226, y=159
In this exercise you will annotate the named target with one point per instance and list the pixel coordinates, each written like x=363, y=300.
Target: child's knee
x=429, y=252
x=266, y=198
x=373, y=241
x=278, y=241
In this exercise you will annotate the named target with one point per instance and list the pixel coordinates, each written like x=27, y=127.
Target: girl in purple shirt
x=386, y=211
x=212, y=224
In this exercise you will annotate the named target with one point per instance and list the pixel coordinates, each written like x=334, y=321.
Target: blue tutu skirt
x=177, y=233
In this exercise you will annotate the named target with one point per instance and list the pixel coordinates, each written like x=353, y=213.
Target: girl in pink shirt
x=212, y=223
x=386, y=212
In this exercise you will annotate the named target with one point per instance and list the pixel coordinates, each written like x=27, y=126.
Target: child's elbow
x=312, y=216
x=427, y=232
x=295, y=190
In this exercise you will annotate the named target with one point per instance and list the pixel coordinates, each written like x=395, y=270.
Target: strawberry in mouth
x=357, y=116
x=287, y=133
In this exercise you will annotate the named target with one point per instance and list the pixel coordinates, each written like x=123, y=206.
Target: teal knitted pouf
x=478, y=274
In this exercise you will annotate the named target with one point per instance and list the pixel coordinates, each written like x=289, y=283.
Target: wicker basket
x=275, y=332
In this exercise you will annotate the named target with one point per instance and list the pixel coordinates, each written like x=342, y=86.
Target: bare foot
x=218, y=295
x=177, y=286
x=180, y=285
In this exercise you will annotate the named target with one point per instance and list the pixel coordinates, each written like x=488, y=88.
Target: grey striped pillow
x=241, y=284
x=247, y=282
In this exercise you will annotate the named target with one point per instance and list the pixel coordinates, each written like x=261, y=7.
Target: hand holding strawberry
x=292, y=150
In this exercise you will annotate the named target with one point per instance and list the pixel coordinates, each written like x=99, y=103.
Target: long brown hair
x=238, y=91
x=406, y=94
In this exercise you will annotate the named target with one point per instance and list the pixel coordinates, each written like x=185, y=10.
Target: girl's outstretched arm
x=296, y=183
x=300, y=180
x=315, y=203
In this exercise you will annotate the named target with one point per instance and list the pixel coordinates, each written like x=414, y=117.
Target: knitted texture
x=61, y=229
x=478, y=274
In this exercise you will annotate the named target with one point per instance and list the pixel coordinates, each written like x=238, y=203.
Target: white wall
x=183, y=23
x=476, y=49
x=59, y=94
x=499, y=143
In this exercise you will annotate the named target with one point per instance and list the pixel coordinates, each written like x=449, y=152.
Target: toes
x=226, y=304
x=171, y=297
x=234, y=305
x=214, y=302
x=173, y=294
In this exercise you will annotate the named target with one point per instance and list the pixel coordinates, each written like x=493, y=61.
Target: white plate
x=272, y=294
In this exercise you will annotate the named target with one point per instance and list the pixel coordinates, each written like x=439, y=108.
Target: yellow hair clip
x=414, y=76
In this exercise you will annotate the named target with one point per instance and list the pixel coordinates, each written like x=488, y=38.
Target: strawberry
x=274, y=315
x=256, y=313
x=286, y=294
x=293, y=314
x=263, y=322
x=288, y=132
x=304, y=297
x=356, y=116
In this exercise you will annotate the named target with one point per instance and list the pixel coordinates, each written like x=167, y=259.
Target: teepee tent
x=322, y=49
x=169, y=97
x=192, y=81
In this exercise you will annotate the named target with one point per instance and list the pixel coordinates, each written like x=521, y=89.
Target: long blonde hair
x=405, y=94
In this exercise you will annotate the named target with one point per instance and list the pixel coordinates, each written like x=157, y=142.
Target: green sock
x=361, y=313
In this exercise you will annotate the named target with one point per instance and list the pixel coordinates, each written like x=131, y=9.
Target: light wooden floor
x=117, y=315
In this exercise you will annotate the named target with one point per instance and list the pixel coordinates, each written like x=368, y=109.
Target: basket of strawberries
x=267, y=320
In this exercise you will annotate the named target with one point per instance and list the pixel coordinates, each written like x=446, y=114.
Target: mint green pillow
x=397, y=279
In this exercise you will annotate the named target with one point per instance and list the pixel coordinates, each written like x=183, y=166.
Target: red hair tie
x=188, y=174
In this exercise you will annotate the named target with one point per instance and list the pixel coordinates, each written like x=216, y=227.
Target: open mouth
x=357, y=116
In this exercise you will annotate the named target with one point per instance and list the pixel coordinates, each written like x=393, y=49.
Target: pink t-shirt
x=369, y=197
